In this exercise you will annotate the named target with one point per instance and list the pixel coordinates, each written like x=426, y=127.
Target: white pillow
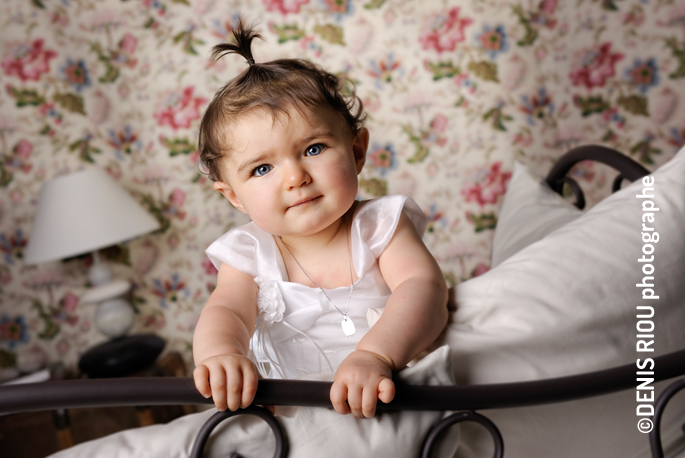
x=530, y=211
x=567, y=304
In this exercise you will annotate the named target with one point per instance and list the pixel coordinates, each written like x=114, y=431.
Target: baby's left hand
x=362, y=378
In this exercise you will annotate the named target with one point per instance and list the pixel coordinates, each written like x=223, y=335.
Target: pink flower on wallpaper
x=178, y=197
x=445, y=31
x=28, y=61
x=128, y=44
x=179, y=109
x=285, y=6
x=209, y=267
x=486, y=185
x=592, y=67
x=480, y=269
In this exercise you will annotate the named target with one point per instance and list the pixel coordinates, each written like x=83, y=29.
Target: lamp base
x=122, y=356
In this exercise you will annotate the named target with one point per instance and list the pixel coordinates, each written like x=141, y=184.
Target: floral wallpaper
x=455, y=93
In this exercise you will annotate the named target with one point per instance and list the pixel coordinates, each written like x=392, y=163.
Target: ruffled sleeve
x=374, y=225
x=248, y=249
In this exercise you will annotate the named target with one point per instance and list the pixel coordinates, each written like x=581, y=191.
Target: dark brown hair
x=275, y=86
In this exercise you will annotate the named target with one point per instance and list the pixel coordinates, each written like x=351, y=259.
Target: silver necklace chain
x=349, y=256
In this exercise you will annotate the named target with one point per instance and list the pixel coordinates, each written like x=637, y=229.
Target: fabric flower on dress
x=270, y=302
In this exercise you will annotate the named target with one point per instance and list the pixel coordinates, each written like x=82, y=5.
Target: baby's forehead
x=287, y=120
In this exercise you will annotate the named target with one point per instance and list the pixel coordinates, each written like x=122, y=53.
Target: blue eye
x=315, y=150
x=261, y=170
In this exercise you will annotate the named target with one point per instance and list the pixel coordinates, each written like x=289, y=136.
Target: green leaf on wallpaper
x=498, y=117
x=373, y=4
x=178, y=146
x=111, y=72
x=645, y=151
x=189, y=41
x=531, y=34
x=609, y=5
x=331, y=33
x=484, y=70
x=443, y=70
x=183, y=2
x=374, y=186
x=7, y=358
x=152, y=206
x=288, y=32
x=51, y=328
x=482, y=221
x=421, y=149
x=70, y=102
x=6, y=176
x=634, y=104
x=38, y=4
x=85, y=151
x=26, y=97
x=591, y=104
x=679, y=55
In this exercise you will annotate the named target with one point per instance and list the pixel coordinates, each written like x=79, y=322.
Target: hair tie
x=250, y=62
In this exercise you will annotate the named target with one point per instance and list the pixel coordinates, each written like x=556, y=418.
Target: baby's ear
x=359, y=146
x=228, y=193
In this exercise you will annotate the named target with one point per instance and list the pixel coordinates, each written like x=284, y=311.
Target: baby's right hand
x=230, y=379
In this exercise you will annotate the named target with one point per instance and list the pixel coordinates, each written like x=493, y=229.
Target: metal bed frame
x=466, y=400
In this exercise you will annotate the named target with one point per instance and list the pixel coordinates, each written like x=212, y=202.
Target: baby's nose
x=296, y=176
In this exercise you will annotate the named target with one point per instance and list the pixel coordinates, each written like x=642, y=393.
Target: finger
x=386, y=390
x=234, y=388
x=201, y=378
x=369, y=397
x=354, y=399
x=249, y=387
x=217, y=381
x=339, y=398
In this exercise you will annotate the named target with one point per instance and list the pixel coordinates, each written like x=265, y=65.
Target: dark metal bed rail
x=167, y=391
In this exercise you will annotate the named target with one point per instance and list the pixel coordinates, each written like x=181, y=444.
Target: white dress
x=298, y=330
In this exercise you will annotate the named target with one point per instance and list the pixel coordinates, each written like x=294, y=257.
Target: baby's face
x=295, y=176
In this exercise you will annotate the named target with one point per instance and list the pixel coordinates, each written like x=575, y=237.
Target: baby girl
x=285, y=145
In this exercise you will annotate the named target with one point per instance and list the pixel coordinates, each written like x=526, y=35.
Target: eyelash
x=323, y=147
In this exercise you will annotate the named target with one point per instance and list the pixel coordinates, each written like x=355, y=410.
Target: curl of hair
x=276, y=87
x=243, y=35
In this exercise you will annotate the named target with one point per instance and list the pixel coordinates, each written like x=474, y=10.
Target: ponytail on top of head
x=243, y=35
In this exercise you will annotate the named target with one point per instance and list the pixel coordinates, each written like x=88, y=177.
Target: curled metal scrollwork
x=202, y=437
x=661, y=402
x=434, y=433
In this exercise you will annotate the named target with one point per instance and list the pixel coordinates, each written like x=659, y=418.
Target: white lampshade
x=84, y=212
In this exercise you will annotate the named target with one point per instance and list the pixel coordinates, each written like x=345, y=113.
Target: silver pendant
x=348, y=326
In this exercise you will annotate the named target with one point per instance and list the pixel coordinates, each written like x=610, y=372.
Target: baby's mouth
x=305, y=201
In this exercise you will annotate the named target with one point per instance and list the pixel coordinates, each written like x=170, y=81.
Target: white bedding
x=564, y=304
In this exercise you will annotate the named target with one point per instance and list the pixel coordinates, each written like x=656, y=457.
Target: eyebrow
x=252, y=162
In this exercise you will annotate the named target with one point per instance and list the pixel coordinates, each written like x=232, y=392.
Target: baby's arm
x=414, y=317
x=221, y=341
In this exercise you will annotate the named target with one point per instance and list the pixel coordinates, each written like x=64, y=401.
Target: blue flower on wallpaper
x=385, y=70
x=338, y=8
x=76, y=74
x=493, y=41
x=13, y=331
x=539, y=106
x=382, y=158
x=13, y=246
x=170, y=291
x=644, y=74
x=677, y=137
x=124, y=141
